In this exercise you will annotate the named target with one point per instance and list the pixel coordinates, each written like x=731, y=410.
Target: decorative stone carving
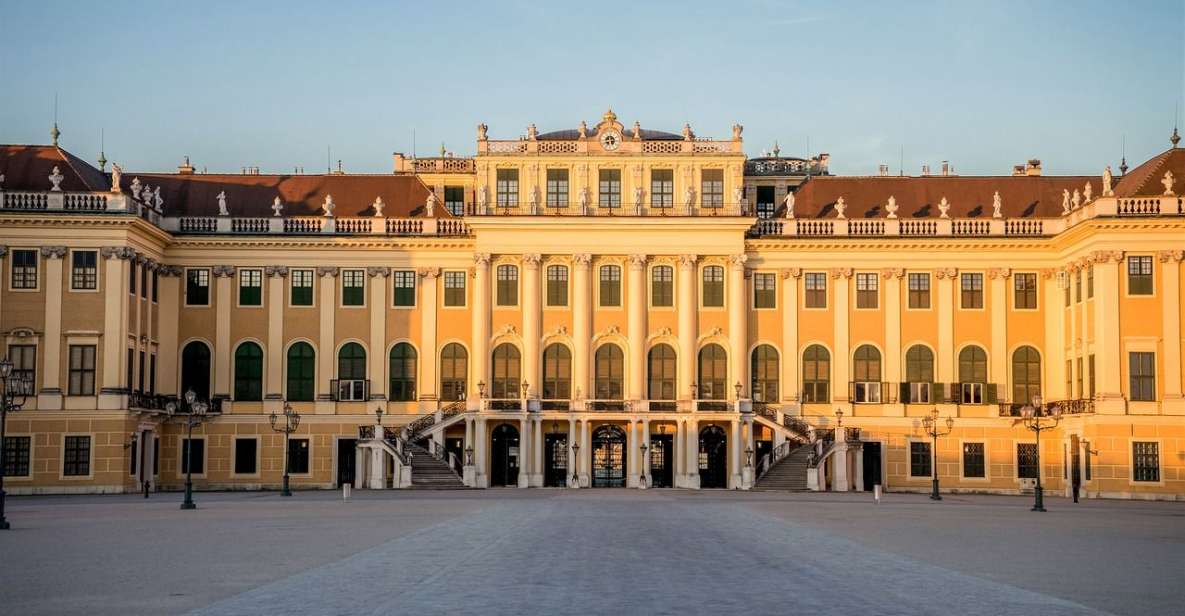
x=277, y=207
x=582, y=259
x=998, y=272
x=532, y=260
x=482, y=197
x=792, y=272
x=428, y=273
x=840, y=206
x=136, y=188
x=1076, y=200
x=637, y=262
x=328, y=270
x=639, y=194
x=562, y=330
x=157, y=200
x=687, y=261
x=222, y=211
x=1171, y=255
x=506, y=330
x=891, y=207
x=1065, y=201
x=789, y=203
x=997, y=206
x=737, y=261
x=583, y=129
x=1086, y=193
x=944, y=208
x=1104, y=256
x=127, y=253
x=56, y=179
x=585, y=197
x=689, y=197
x=327, y=206
x=532, y=132
x=481, y=258
x=375, y=271
x=1166, y=181
x=276, y=271
x=892, y=272
x=533, y=199
x=1107, y=180
x=116, y=176
x=662, y=331
x=612, y=330
x=840, y=272
x=715, y=331
x=687, y=134
x=1048, y=272
x=481, y=132
x=53, y=252
x=223, y=271
x=738, y=197
x=430, y=204
x=737, y=129
x=110, y=252
x=943, y=273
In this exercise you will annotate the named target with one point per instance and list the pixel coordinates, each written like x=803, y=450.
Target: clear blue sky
x=985, y=85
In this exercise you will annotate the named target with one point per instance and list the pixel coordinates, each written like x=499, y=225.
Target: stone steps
x=788, y=475
x=428, y=473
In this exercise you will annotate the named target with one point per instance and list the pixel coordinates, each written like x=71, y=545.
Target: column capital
x=943, y=273
x=481, y=259
x=1048, y=272
x=53, y=252
x=582, y=259
x=738, y=261
x=637, y=262
x=375, y=271
x=328, y=270
x=840, y=272
x=999, y=272
x=3, y=251
x=276, y=271
x=428, y=273
x=1105, y=256
x=532, y=260
x=170, y=271
x=1171, y=255
x=223, y=271
x=688, y=261
x=792, y=272
x=893, y=272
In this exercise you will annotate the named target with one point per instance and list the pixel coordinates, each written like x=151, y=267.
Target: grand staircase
x=429, y=473
x=789, y=474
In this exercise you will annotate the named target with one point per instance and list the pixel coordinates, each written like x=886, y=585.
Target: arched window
x=713, y=287
x=454, y=371
x=764, y=372
x=1026, y=375
x=301, y=371
x=505, y=381
x=713, y=373
x=248, y=372
x=403, y=373
x=866, y=386
x=609, y=377
x=195, y=369
x=816, y=374
x=972, y=375
x=919, y=374
x=661, y=371
x=557, y=372
x=351, y=372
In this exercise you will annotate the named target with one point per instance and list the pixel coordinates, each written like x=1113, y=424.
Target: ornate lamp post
x=838, y=420
x=524, y=386
x=291, y=422
x=378, y=417
x=195, y=415
x=738, y=387
x=481, y=389
x=1037, y=418
x=934, y=428
x=576, y=464
x=645, y=462
x=16, y=389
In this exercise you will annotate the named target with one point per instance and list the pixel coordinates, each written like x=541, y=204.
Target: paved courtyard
x=579, y=552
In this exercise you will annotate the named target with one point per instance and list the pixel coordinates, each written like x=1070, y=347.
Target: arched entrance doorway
x=608, y=443
x=504, y=456
x=713, y=458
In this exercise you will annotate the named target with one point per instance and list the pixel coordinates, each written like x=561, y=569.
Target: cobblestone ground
x=580, y=552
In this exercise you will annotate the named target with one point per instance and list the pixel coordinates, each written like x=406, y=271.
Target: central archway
x=609, y=444
x=504, y=456
x=713, y=458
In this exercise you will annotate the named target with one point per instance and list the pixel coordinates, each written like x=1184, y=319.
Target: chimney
x=824, y=162
x=402, y=164
x=1034, y=167
x=945, y=168
x=185, y=168
x=1018, y=170
x=882, y=170
x=925, y=170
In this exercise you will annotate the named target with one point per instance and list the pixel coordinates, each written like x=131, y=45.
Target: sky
x=985, y=85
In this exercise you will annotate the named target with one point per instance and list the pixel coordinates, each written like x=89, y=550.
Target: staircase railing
x=416, y=430
x=773, y=457
x=397, y=445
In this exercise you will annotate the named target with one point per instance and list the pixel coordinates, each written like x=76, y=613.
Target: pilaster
x=1055, y=340
x=841, y=358
x=379, y=278
x=169, y=308
x=327, y=302
x=738, y=336
x=998, y=312
x=223, y=298
x=429, y=354
x=946, y=324
x=892, y=281
x=581, y=327
x=688, y=311
x=1170, y=292
x=532, y=324
x=273, y=381
x=114, y=324
x=50, y=396
x=790, y=361
x=479, y=356
x=637, y=328
x=1108, y=354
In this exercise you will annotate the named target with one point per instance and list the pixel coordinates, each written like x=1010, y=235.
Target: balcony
x=1077, y=406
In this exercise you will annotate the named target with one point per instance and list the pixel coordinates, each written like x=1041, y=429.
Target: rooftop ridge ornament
x=1174, y=139
x=277, y=207
x=378, y=207
x=222, y=211
x=944, y=208
x=891, y=207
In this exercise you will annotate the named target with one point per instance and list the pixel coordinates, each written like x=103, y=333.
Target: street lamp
x=932, y=427
x=644, y=464
x=1037, y=418
x=481, y=389
x=838, y=418
x=195, y=415
x=378, y=416
x=749, y=457
x=16, y=390
x=291, y=421
x=575, y=464
x=738, y=387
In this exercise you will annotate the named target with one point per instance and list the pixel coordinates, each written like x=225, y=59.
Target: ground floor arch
x=504, y=456
x=713, y=457
x=608, y=457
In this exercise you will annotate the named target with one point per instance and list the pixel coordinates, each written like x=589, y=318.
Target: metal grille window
x=298, y=456
x=816, y=290
x=557, y=372
x=132, y=277
x=713, y=287
x=250, y=287
x=302, y=287
x=403, y=373
x=1025, y=291
x=16, y=456
x=507, y=285
x=24, y=269
x=974, y=461
x=82, y=370
x=1141, y=367
x=609, y=188
x=454, y=371
x=557, y=188
x=245, y=452
x=84, y=270
x=76, y=456
x=919, y=291
x=353, y=288
x=816, y=374
x=610, y=285
x=24, y=367
x=1026, y=375
x=155, y=284
x=144, y=281
x=765, y=290
x=866, y=290
x=557, y=285
x=662, y=188
x=1145, y=461
x=1026, y=460
x=454, y=200
x=301, y=371
x=712, y=188
x=1139, y=275
x=972, y=291
x=919, y=459
x=454, y=289
x=662, y=286
x=249, y=372
x=764, y=371
x=506, y=188
x=197, y=287
x=405, y=288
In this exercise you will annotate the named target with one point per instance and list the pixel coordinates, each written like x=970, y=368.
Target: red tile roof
x=28, y=167
x=1145, y=180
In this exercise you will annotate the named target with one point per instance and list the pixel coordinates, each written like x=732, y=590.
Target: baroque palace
x=605, y=306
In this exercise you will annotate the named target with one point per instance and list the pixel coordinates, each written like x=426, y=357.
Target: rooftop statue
x=789, y=203
x=116, y=176
x=1086, y=193
x=277, y=207
x=222, y=211
x=430, y=204
x=135, y=188
x=944, y=208
x=328, y=206
x=840, y=206
x=997, y=205
x=481, y=132
x=1076, y=200
x=378, y=207
x=1065, y=201
x=891, y=207
x=56, y=179
x=1107, y=191
x=1167, y=182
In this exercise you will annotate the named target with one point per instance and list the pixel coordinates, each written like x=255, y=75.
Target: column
x=327, y=301
x=428, y=380
x=524, y=451
x=738, y=333
x=223, y=299
x=946, y=327
x=631, y=454
x=169, y=307
x=585, y=454
x=1170, y=293
x=1107, y=351
x=50, y=396
x=581, y=326
x=532, y=324
x=680, y=455
x=892, y=281
x=479, y=453
x=379, y=278
x=691, y=448
x=734, y=454
x=636, y=380
x=114, y=321
x=841, y=357
x=479, y=354
x=274, y=394
x=688, y=312
x=537, y=455
x=998, y=281
x=1054, y=343
x=790, y=360
x=748, y=464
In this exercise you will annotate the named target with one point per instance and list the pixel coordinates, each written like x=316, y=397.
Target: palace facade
x=605, y=306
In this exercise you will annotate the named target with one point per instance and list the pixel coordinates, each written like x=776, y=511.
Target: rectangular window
x=250, y=287
x=197, y=287
x=507, y=291
x=712, y=188
x=609, y=188
x=454, y=289
x=152, y=373
x=610, y=285
x=132, y=276
x=765, y=290
x=973, y=460
x=131, y=369
x=142, y=375
x=302, y=288
x=1145, y=461
x=144, y=282
x=82, y=370
x=298, y=456
x=24, y=366
x=84, y=270
x=1081, y=379
x=662, y=188
x=1078, y=286
x=662, y=286
x=1069, y=378
x=405, y=287
x=133, y=455
x=1090, y=369
x=193, y=454
x=353, y=288
x=245, y=451
x=919, y=459
x=972, y=291
x=1089, y=282
x=866, y=290
x=713, y=291
x=1026, y=460
x=816, y=290
x=1065, y=292
x=919, y=291
x=24, y=269
x=557, y=285
x=557, y=188
x=155, y=284
x=1139, y=275
x=1025, y=291
x=76, y=456
x=454, y=200
x=16, y=456
x=1142, y=374
x=506, y=188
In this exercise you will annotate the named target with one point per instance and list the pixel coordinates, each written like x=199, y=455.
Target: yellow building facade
x=605, y=306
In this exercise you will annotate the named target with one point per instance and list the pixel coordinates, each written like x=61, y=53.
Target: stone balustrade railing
x=648, y=210
x=579, y=146
x=314, y=225
x=76, y=203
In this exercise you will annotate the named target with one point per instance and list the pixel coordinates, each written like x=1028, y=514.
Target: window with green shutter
x=405, y=287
